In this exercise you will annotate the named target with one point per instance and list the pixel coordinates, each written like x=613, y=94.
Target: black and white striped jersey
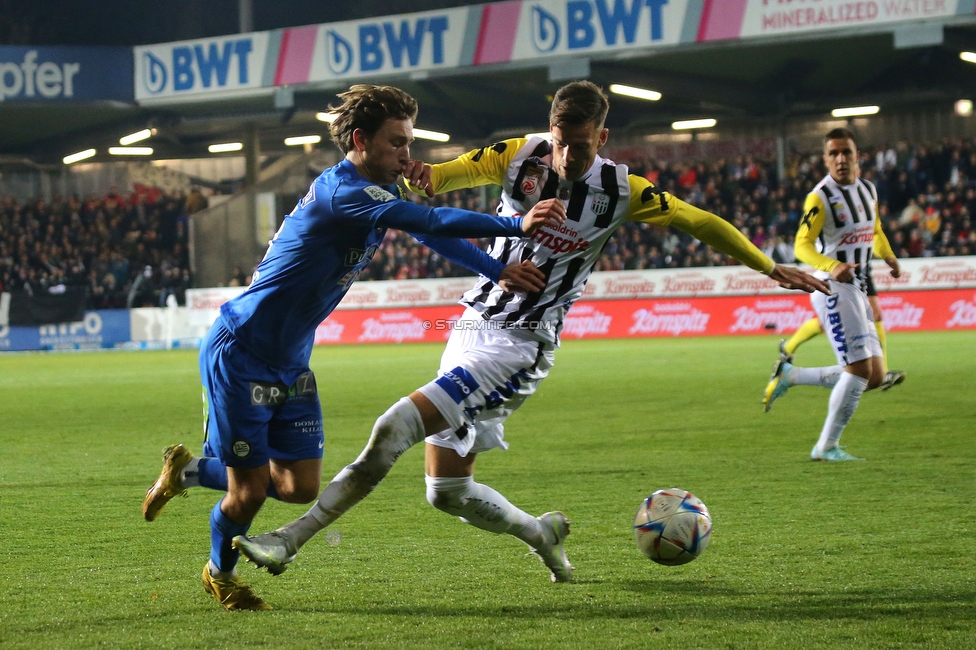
x=840, y=224
x=596, y=205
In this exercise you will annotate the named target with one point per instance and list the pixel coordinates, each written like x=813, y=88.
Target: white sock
x=826, y=376
x=482, y=507
x=844, y=399
x=190, y=475
x=395, y=431
x=222, y=575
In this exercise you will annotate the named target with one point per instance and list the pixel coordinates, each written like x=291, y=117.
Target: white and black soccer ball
x=672, y=527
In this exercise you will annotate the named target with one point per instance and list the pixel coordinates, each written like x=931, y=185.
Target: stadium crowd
x=927, y=195
x=131, y=250
x=127, y=251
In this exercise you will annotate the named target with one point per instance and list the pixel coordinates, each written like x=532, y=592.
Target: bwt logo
x=584, y=18
x=387, y=45
x=91, y=325
x=30, y=79
x=199, y=65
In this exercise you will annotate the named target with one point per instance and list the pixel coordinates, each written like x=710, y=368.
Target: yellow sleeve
x=652, y=205
x=882, y=249
x=485, y=166
x=806, y=235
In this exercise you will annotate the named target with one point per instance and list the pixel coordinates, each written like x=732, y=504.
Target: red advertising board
x=713, y=316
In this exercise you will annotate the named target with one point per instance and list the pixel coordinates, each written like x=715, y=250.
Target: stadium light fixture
x=545, y=135
x=964, y=107
x=130, y=151
x=138, y=136
x=76, y=157
x=632, y=91
x=326, y=117
x=855, y=111
x=431, y=135
x=303, y=139
x=224, y=147
x=968, y=57
x=706, y=123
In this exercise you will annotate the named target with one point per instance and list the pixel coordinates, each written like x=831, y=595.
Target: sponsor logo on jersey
x=863, y=235
x=560, y=244
x=835, y=326
x=458, y=384
x=308, y=198
x=378, y=193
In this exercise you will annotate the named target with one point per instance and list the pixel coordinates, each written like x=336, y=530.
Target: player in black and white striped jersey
x=841, y=215
x=504, y=344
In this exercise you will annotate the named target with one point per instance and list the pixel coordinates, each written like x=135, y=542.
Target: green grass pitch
x=877, y=554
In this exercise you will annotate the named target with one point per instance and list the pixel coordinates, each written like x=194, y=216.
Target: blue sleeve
x=463, y=252
x=390, y=212
x=445, y=222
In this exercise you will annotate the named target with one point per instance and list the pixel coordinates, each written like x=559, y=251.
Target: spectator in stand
x=94, y=242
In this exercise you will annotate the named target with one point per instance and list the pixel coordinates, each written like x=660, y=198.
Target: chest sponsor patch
x=309, y=197
x=378, y=193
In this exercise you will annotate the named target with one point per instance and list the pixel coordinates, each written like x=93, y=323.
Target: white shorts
x=848, y=322
x=485, y=375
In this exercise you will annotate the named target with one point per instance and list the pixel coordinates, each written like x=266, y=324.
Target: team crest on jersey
x=601, y=203
x=378, y=193
x=531, y=181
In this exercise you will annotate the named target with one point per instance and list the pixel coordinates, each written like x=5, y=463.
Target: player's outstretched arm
x=523, y=277
x=464, y=253
x=790, y=277
x=550, y=212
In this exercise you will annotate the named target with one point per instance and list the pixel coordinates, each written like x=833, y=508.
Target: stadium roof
x=742, y=81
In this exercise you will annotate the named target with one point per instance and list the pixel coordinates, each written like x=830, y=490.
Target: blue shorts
x=252, y=416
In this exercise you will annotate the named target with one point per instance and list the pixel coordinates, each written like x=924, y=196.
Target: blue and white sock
x=223, y=558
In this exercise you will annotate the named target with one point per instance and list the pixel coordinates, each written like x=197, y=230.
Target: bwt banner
x=44, y=74
x=495, y=33
x=226, y=64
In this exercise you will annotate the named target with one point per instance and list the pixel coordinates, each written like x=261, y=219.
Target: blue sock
x=212, y=474
x=222, y=531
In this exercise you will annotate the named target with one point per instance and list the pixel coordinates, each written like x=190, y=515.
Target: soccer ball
x=672, y=527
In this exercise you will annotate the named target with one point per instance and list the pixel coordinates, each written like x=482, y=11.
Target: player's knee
x=301, y=491
x=394, y=432
x=447, y=493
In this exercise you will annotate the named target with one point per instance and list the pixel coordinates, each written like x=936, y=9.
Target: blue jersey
x=323, y=246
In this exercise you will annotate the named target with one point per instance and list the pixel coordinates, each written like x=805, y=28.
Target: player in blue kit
x=264, y=430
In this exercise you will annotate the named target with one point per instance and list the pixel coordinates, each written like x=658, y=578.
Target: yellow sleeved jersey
x=596, y=205
x=840, y=224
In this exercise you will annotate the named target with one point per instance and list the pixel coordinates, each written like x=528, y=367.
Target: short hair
x=367, y=107
x=578, y=103
x=840, y=133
